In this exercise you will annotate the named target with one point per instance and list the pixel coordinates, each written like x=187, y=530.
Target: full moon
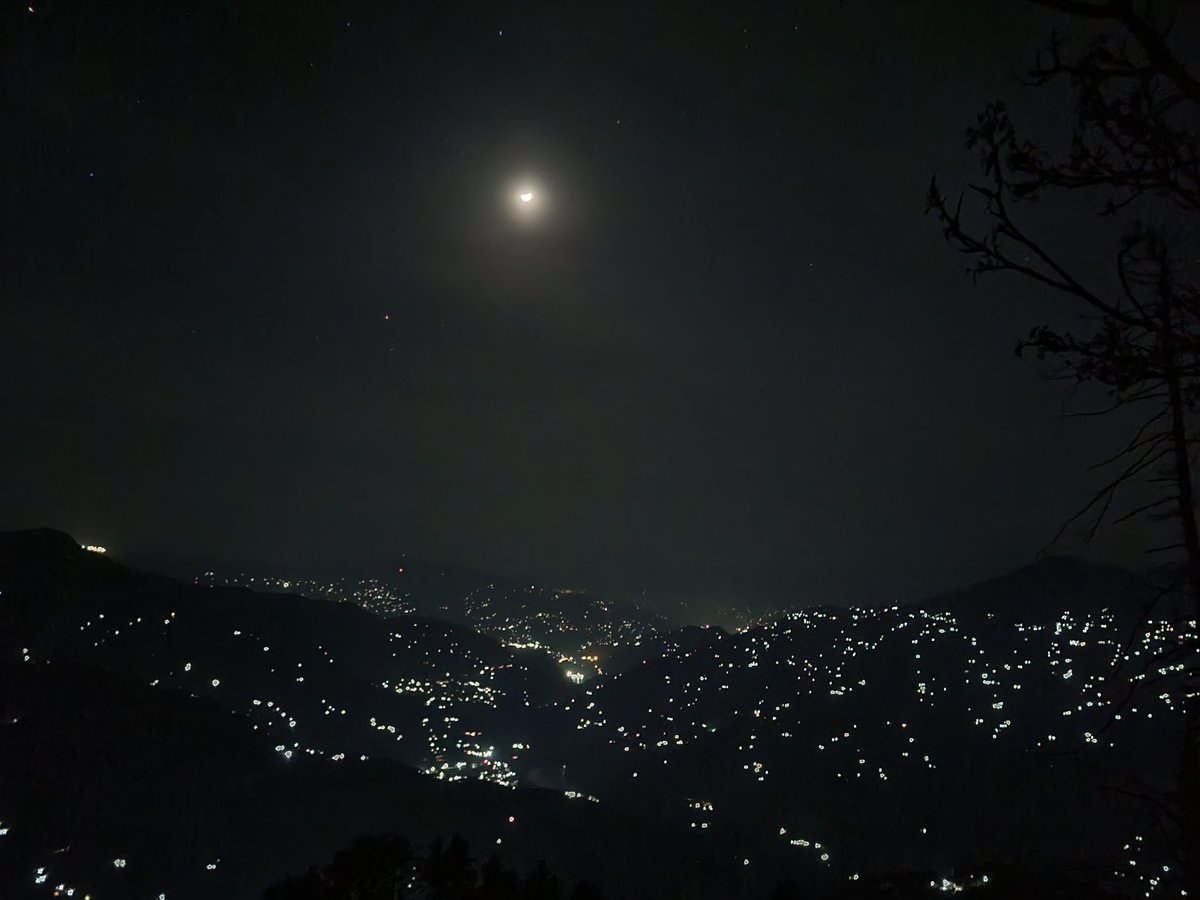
x=526, y=196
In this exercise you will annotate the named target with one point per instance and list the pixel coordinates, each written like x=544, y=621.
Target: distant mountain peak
x=39, y=541
x=1049, y=583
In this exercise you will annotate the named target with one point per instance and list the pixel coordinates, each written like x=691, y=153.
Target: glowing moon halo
x=526, y=201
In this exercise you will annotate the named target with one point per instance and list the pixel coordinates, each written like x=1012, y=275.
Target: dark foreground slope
x=322, y=679
x=121, y=790
x=179, y=728
x=136, y=763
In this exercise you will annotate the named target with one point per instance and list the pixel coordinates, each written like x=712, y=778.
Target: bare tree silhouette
x=1134, y=149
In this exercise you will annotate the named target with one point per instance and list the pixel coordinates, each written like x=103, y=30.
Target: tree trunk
x=1188, y=781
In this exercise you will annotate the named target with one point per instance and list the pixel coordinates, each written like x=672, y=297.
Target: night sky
x=269, y=295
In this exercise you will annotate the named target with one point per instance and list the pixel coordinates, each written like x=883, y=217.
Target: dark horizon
x=697, y=608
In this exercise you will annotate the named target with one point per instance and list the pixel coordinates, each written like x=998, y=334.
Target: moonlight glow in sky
x=526, y=198
x=599, y=294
